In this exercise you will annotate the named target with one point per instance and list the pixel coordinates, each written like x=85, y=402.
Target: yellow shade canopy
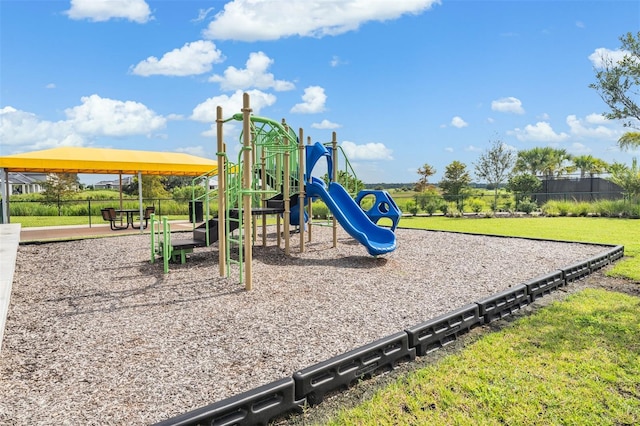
x=108, y=161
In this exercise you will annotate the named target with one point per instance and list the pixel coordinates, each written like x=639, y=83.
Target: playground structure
x=273, y=176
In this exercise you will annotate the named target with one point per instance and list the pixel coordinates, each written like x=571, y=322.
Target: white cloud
x=593, y=127
x=314, y=99
x=602, y=56
x=472, y=148
x=458, y=122
x=449, y=149
x=109, y=117
x=253, y=20
x=369, y=151
x=254, y=75
x=580, y=24
x=509, y=104
x=191, y=59
x=540, y=132
x=325, y=124
x=544, y=117
x=206, y=111
x=594, y=118
x=95, y=117
x=202, y=14
x=336, y=61
x=50, y=86
x=104, y=10
x=25, y=131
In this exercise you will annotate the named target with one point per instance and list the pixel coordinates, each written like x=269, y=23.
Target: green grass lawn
x=576, y=362
x=624, y=232
x=35, y=221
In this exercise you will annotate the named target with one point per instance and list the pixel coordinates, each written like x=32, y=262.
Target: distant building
x=26, y=183
x=113, y=184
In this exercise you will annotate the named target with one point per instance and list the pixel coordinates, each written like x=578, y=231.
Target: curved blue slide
x=353, y=219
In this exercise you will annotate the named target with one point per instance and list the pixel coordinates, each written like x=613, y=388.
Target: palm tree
x=558, y=162
x=546, y=160
x=588, y=164
x=629, y=140
x=530, y=161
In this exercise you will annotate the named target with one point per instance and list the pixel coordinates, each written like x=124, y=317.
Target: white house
x=113, y=184
x=26, y=183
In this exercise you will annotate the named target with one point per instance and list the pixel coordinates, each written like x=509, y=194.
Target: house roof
x=108, y=161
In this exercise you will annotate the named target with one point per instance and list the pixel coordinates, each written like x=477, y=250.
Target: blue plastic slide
x=353, y=219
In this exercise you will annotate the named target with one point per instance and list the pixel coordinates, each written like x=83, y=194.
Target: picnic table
x=129, y=214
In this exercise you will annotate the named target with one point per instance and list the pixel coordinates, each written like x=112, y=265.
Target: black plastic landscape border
x=308, y=386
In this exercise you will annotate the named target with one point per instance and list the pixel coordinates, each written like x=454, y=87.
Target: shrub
x=412, y=207
x=550, y=210
x=444, y=208
x=319, y=210
x=452, y=210
x=528, y=207
x=477, y=205
x=431, y=207
x=562, y=208
x=581, y=209
x=610, y=208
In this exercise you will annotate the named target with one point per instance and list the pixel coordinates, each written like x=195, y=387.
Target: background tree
x=530, y=161
x=617, y=84
x=629, y=140
x=455, y=183
x=494, y=167
x=547, y=161
x=628, y=178
x=589, y=165
x=152, y=187
x=350, y=183
x=523, y=186
x=59, y=187
x=425, y=173
x=171, y=182
x=559, y=163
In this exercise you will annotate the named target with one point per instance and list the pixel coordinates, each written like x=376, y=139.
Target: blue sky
x=403, y=83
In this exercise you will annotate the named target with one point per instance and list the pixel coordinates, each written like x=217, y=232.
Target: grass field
x=576, y=362
x=35, y=221
x=624, y=232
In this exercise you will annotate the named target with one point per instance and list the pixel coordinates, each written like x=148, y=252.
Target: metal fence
x=578, y=189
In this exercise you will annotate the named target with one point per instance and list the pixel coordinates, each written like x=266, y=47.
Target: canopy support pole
x=120, y=190
x=140, y=198
x=4, y=190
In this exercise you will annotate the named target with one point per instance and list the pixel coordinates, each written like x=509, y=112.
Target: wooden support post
x=246, y=186
x=263, y=186
x=310, y=208
x=222, y=208
x=301, y=183
x=334, y=145
x=287, y=193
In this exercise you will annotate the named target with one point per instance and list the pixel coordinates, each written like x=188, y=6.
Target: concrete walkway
x=9, y=239
x=75, y=232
